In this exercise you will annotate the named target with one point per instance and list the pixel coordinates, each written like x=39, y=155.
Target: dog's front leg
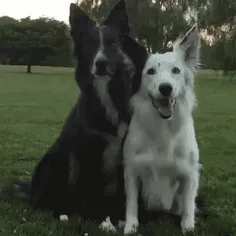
x=107, y=226
x=189, y=192
x=131, y=188
x=109, y=204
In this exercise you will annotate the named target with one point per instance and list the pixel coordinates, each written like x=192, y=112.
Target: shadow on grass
x=208, y=223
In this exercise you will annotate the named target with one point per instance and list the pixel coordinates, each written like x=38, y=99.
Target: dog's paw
x=186, y=230
x=107, y=226
x=131, y=227
x=63, y=218
x=187, y=225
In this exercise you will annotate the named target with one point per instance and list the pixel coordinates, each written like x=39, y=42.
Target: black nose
x=165, y=89
x=101, y=67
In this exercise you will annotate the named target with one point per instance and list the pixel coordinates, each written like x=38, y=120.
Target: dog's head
x=98, y=47
x=167, y=77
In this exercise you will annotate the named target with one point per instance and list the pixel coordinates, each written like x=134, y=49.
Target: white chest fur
x=101, y=84
x=155, y=165
x=159, y=154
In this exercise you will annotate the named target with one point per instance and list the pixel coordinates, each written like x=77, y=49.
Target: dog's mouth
x=103, y=73
x=164, y=106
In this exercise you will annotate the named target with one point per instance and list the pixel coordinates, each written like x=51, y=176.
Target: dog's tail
x=15, y=190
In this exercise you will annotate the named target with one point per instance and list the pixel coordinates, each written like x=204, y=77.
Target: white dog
x=161, y=151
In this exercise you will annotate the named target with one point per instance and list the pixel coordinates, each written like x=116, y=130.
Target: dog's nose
x=165, y=89
x=101, y=67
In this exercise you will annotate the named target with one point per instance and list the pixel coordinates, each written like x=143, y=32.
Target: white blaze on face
x=100, y=53
x=101, y=82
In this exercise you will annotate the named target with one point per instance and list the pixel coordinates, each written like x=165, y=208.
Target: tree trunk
x=29, y=69
x=225, y=72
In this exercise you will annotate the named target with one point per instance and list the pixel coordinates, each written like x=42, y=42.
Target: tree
x=32, y=41
x=155, y=23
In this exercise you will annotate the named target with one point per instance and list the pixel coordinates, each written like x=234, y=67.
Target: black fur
x=71, y=176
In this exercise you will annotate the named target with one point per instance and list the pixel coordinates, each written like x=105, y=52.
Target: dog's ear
x=118, y=17
x=190, y=46
x=79, y=22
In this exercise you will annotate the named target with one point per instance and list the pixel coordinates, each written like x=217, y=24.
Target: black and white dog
x=82, y=171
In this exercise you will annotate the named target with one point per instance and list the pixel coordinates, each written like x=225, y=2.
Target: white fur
x=107, y=226
x=99, y=55
x=163, y=154
x=101, y=89
x=63, y=218
x=101, y=82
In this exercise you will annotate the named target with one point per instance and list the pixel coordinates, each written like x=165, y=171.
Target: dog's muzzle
x=164, y=106
x=101, y=67
x=164, y=103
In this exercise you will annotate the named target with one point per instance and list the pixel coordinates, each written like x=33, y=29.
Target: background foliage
x=155, y=24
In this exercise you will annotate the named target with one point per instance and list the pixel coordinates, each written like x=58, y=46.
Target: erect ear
x=79, y=22
x=118, y=17
x=189, y=45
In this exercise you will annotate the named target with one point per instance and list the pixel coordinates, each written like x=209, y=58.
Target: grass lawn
x=32, y=111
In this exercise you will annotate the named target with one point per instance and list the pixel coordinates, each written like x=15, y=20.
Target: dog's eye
x=175, y=70
x=151, y=71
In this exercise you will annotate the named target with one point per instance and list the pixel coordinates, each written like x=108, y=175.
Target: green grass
x=32, y=111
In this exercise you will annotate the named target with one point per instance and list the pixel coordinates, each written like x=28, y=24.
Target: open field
x=32, y=110
x=47, y=69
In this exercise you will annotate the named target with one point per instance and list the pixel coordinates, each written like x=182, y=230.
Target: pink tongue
x=165, y=111
x=165, y=107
